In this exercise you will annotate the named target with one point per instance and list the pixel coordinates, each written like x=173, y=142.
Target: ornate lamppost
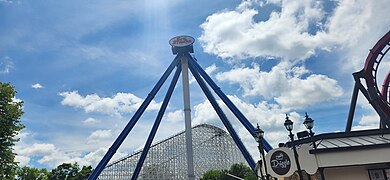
x=309, y=124
x=289, y=126
x=259, y=135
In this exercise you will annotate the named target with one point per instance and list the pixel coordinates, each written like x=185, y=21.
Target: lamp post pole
x=259, y=135
x=309, y=124
x=263, y=158
x=260, y=167
x=289, y=126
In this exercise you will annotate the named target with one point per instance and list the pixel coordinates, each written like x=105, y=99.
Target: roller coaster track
x=378, y=99
x=385, y=88
x=374, y=58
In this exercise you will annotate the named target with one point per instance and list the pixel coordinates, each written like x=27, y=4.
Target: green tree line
x=237, y=170
x=65, y=171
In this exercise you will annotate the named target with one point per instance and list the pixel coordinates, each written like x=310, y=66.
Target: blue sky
x=83, y=68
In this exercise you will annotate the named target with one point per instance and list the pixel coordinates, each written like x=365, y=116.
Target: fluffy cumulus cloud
x=175, y=116
x=357, y=25
x=297, y=30
x=270, y=117
x=367, y=122
x=37, y=86
x=285, y=34
x=48, y=154
x=31, y=152
x=99, y=135
x=51, y=156
x=284, y=84
x=118, y=104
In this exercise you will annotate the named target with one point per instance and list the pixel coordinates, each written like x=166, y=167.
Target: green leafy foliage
x=238, y=170
x=213, y=175
x=65, y=171
x=28, y=173
x=10, y=126
x=241, y=170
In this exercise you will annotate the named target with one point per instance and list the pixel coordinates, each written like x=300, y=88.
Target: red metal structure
x=385, y=88
x=378, y=99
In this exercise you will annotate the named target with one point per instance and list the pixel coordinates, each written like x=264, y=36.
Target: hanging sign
x=307, y=161
x=181, y=41
x=281, y=162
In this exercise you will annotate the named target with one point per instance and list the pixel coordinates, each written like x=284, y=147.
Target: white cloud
x=99, y=135
x=176, y=116
x=289, y=34
x=284, y=84
x=209, y=70
x=23, y=134
x=367, y=122
x=51, y=156
x=48, y=154
x=90, y=121
x=37, y=86
x=270, y=117
x=22, y=160
x=119, y=104
x=358, y=25
x=6, y=65
x=10, y=1
x=94, y=157
x=38, y=149
x=16, y=100
x=309, y=91
x=235, y=34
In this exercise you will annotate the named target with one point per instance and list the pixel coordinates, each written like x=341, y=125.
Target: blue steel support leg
x=156, y=124
x=224, y=119
x=114, y=147
x=227, y=101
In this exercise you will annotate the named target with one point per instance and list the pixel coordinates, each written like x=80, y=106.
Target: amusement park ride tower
x=182, y=46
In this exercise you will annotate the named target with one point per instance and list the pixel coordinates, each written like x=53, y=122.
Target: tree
x=68, y=171
x=213, y=175
x=10, y=125
x=84, y=173
x=65, y=171
x=28, y=173
x=239, y=170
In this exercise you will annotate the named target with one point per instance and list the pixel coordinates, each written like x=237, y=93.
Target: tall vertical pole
x=263, y=158
x=296, y=155
x=187, y=117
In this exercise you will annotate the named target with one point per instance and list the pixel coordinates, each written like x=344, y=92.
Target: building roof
x=341, y=141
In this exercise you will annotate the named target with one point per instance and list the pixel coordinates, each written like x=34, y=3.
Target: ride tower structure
x=182, y=46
